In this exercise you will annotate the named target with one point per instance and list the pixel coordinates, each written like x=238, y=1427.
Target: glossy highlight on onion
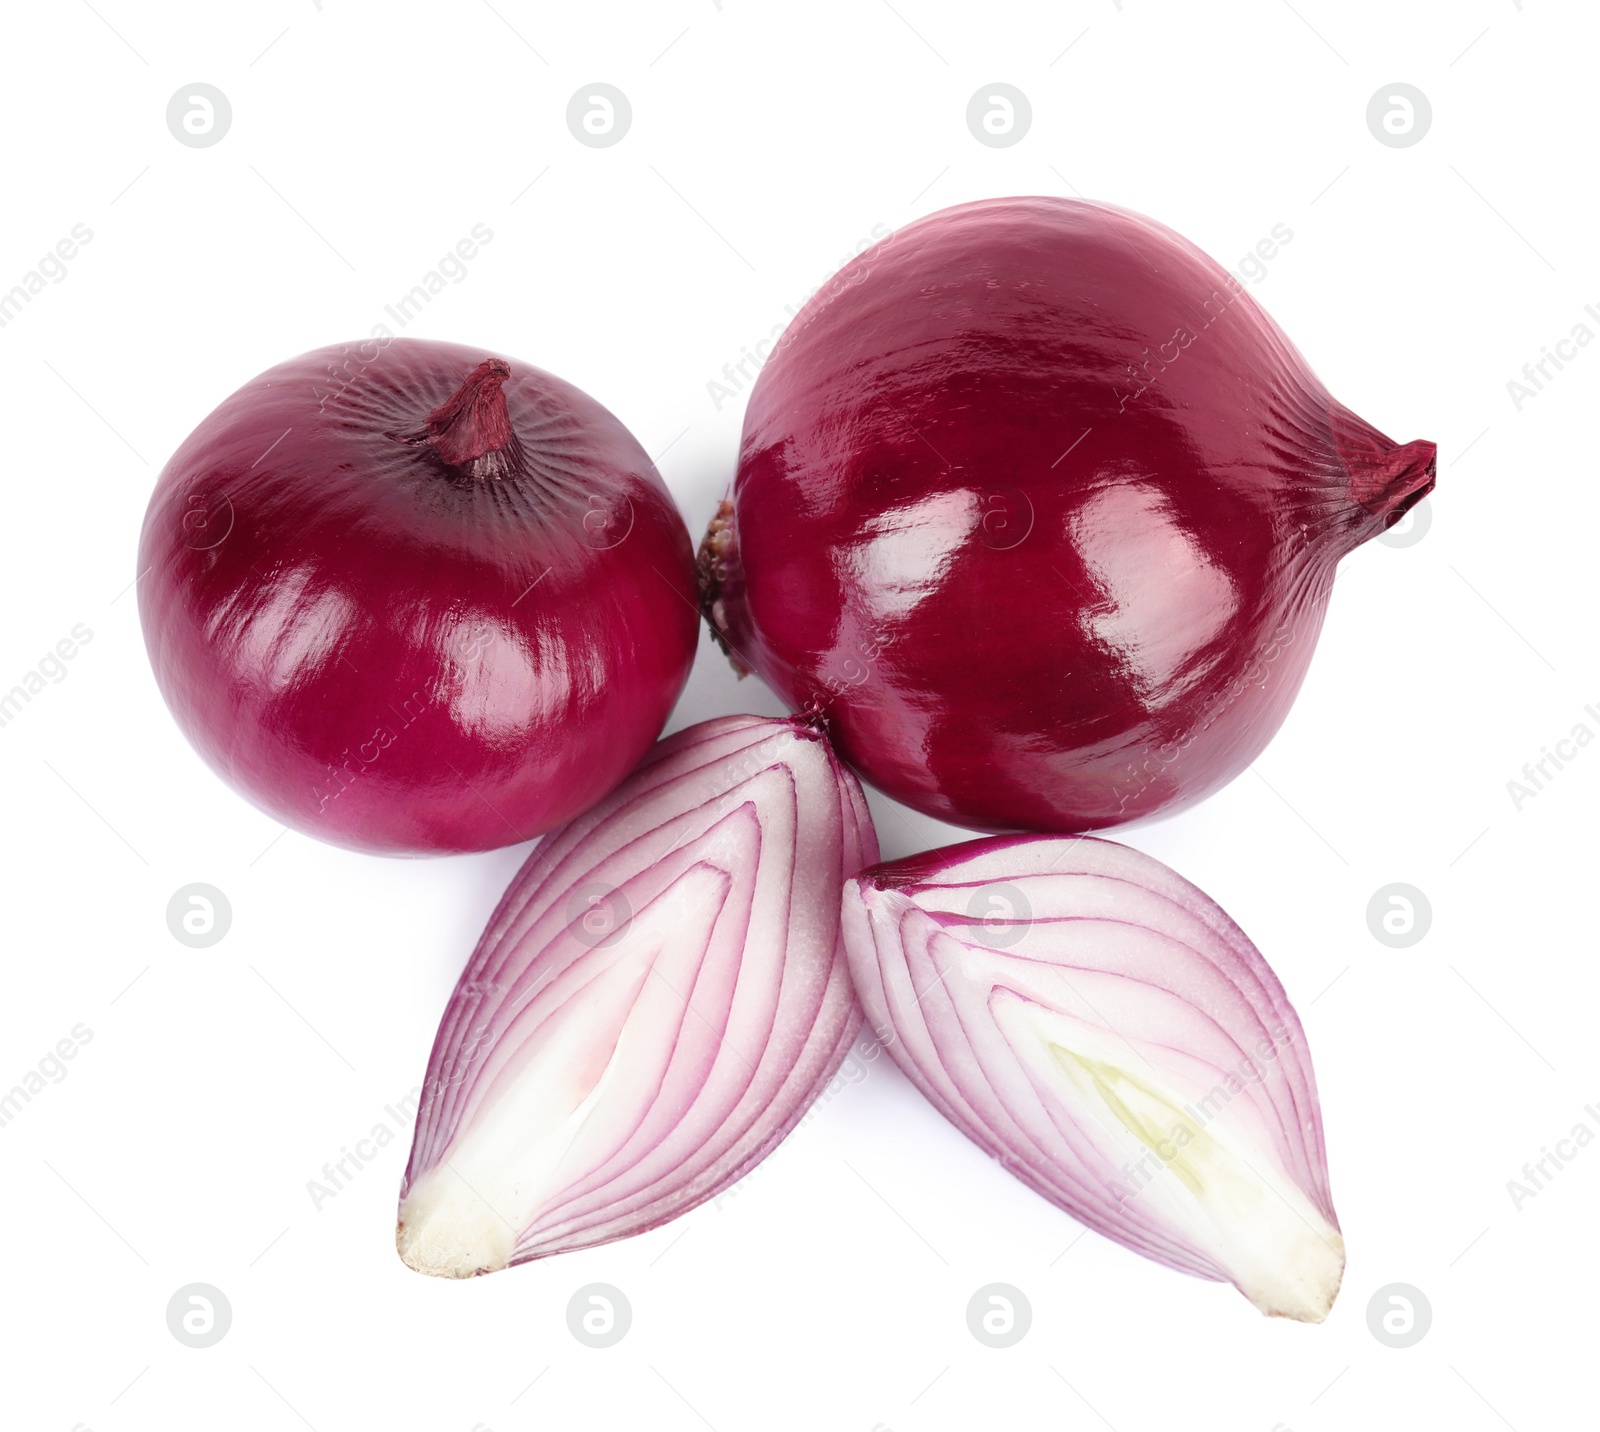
x=1042, y=510
x=1097, y=1024
x=659, y=997
x=415, y=598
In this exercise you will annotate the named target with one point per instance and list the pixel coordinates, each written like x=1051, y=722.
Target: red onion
x=659, y=997
x=416, y=598
x=1043, y=510
x=1093, y=1021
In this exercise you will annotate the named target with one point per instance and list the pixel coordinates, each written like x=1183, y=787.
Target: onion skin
x=1043, y=511
x=658, y=999
x=1101, y=1027
x=429, y=602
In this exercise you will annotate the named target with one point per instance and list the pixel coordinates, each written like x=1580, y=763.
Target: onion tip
x=715, y=563
x=472, y=424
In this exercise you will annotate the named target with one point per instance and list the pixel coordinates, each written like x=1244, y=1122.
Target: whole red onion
x=1043, y=511
x=416, y=598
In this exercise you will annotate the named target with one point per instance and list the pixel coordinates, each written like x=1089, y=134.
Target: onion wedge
x=660, y=995
x=1101, y=1027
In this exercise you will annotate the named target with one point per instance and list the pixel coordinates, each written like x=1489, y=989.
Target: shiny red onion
x=415, y=598
x=1096, y=1023
x=658, y=999
x=1043, y=509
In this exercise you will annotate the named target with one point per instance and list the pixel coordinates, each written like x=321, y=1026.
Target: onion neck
x=1385, y=479
x=471, y=431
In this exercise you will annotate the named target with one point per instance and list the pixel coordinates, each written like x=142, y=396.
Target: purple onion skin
x=1043, y=510
x=410, y=638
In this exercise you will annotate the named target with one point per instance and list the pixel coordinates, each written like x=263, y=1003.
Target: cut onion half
x=659, y=997
x=1100, y=1026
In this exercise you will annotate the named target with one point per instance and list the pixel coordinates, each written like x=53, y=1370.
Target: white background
x=767, y=141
